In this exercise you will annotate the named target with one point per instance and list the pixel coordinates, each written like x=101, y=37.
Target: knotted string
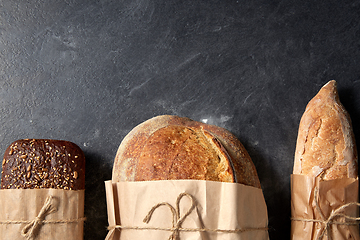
x=177, y=221
x=31, y=229
x=330, y=220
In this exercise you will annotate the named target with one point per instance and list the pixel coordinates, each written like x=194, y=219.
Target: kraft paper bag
x=41, y=214
x=324, y=210
x=185, y=209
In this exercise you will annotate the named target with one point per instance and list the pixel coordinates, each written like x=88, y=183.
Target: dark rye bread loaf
x=171, y=147
x=325, y=145
x=43, y=163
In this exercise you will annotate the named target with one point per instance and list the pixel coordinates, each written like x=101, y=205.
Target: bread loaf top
x=325, y=145
x=43, y=163
x=170, y=147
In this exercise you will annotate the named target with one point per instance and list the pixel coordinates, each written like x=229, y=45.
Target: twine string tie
x=177, y=219
x=334, y=214
x=32, y=228
x=331, y=219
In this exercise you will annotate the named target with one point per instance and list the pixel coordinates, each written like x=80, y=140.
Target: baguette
x=325, y=146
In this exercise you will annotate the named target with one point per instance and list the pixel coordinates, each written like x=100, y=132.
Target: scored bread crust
x=325, y=145
x=170, y=147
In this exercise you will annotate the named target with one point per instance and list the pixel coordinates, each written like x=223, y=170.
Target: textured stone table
x=90, y=71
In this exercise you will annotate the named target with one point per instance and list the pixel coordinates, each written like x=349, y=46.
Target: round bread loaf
x=170, y=147
x=325, y=145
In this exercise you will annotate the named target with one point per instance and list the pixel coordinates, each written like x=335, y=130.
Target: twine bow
x=330, y=220
x=177, y=220
x=32, y=228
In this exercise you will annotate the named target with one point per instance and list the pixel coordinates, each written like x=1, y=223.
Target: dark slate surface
x=90, y=71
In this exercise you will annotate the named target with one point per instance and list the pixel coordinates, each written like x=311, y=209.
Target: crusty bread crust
x=172, y=147
x=43, y=163
x=325, y=145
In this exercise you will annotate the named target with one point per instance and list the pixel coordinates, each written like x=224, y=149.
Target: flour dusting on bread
x=325, y=145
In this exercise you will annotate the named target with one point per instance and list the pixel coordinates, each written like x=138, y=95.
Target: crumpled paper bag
x=315, y=206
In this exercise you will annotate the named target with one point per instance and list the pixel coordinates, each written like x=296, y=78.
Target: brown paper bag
x=324, y=210
x=185, y=209
x=60, y=214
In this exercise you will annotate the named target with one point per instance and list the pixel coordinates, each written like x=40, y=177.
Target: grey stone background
x=90, y=71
